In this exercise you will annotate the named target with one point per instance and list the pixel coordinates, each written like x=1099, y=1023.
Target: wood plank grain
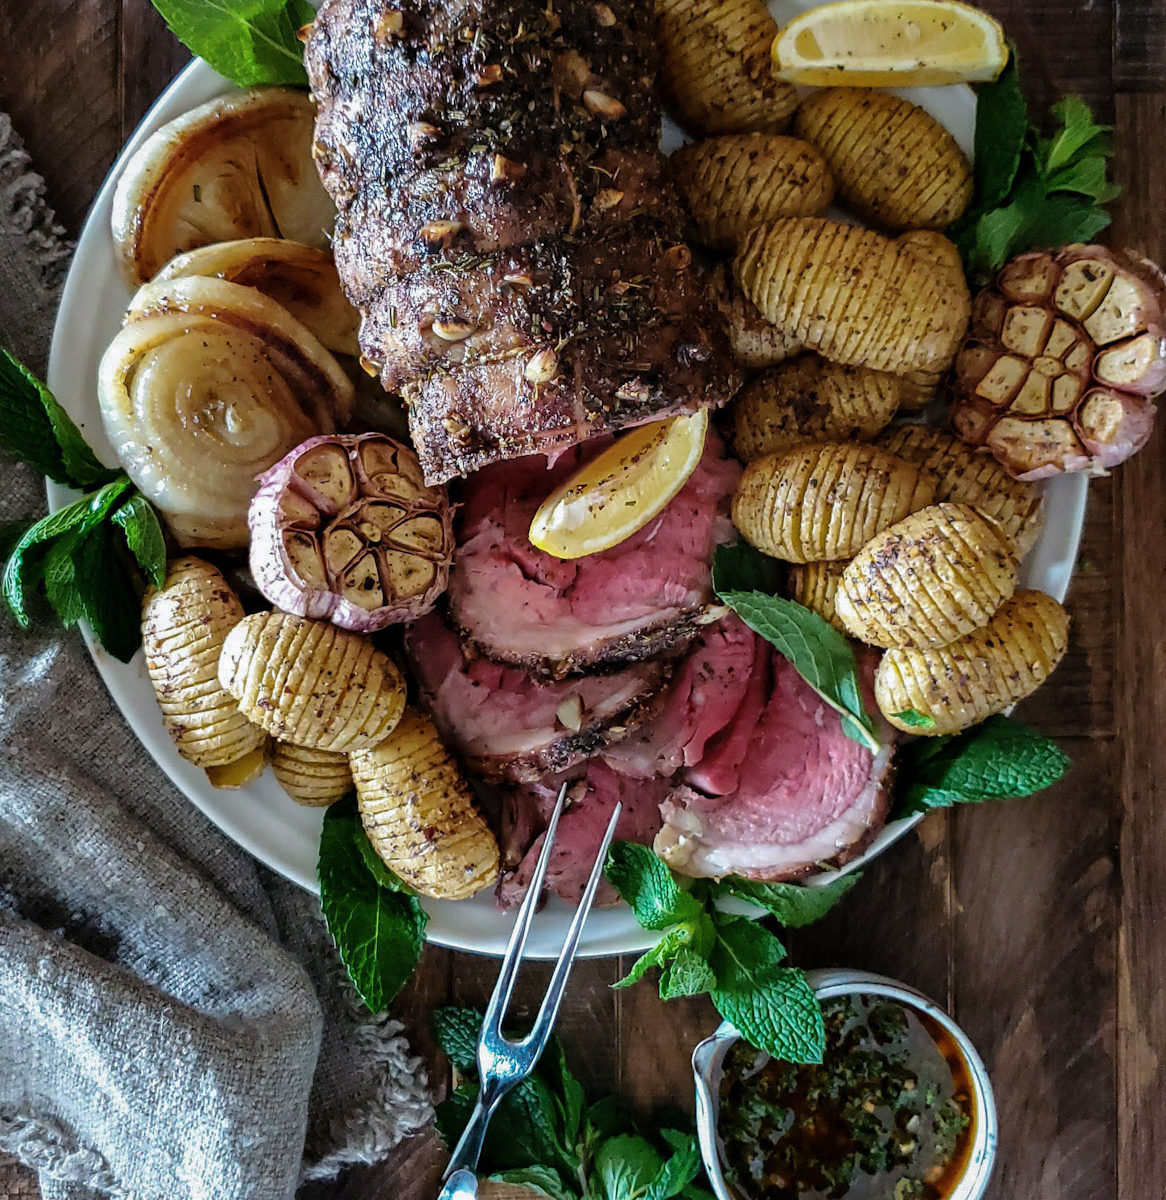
x=60, y=81
x=1141, y=707
x=1036, y=892
x=1139, y=45
x=151, y=55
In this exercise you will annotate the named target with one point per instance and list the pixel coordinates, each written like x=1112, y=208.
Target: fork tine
x=504, y=988
x=535, y=1042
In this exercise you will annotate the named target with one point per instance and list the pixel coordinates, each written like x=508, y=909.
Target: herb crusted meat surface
x=504, y=224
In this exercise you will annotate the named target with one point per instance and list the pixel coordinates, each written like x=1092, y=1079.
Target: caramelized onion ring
x=207, y=386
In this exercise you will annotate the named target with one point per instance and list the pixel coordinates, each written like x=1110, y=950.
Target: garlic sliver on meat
x=345, y=529
x=301, y=278
x=621, y=489
x=238, y=167
x=207, y=386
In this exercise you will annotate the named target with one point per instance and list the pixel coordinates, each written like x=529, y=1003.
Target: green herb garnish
x=1032, y=191
x=85, y=558
x=544, y=1136
x=817, y=651
x=738, y=962
x=997, y=760
x=248, y=41
x=378, y=925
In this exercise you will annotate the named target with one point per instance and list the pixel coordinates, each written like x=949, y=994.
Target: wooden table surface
x=1038, y=923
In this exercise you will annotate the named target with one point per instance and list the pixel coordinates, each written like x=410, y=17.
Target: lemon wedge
x=890, y=43
x=620, y=490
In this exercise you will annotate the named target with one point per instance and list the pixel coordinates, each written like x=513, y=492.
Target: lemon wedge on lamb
x=620, y=490
x=890, y=43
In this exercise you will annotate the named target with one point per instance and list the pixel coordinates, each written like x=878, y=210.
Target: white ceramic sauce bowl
x=708, y=1064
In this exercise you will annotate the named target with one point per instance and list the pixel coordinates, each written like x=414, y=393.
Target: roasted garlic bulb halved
x=207, y=386
x=239, y=166
x=420, y=813
x=301, y=278
x=345, y=529
x=311, y=684
x=184, y=625
x=1065, y=353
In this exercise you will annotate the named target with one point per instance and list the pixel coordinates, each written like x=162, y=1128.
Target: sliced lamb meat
x=581, y=827
x=507, y=726
x=705, y=693
x=645, y=597
x=781, y=791
x=497, y=176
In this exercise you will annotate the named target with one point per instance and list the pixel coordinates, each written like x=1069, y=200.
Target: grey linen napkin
x=173, y=1020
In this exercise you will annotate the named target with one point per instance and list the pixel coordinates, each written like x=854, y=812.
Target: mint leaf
x=380, y=870
x=58, y=574
x=38, y=431
x=626, y=1166
x=996, y=760
x=792, y=904
x=773, y=1007
x=23, y=568
x=1001, y=129
x=567, y=1090
x=1078, y=131
x=915, y=719
x=143, y=534
x=109, y=599
x=540, y=1180
x=679, y=1170
x=456, y=1031
x=818, y=652
x=688, y=974
x=739, y=567
x=248, y=41
x=648, y=887
x=379, y=933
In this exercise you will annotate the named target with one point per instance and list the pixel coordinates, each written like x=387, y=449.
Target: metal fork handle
x=469, y=1148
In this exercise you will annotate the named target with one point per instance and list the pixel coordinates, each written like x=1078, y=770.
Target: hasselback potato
x=894, y=163
x=311, y=684
x=809, y=399
x=815, y=585
x=853, y=295
x=928, y=579
x=825, y=500
x=715, y=69
x=969, y=478
x=314, y=778
x=736, y=182
x=184, y=626
x=420, y=813
x=985, y=672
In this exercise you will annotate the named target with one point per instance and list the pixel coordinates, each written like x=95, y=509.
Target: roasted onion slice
x=207, y=386
x=344, y=529
x=301, y=278
x=240, y=166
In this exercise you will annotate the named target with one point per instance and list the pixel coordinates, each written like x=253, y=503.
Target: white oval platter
x=261, y=817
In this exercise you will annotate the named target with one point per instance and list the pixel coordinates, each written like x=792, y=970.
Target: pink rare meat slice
x=780, y=791
x=643, y=598
x=507, y=725
x=581, y=827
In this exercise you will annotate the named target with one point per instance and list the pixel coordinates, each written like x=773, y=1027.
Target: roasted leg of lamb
x=504, y=223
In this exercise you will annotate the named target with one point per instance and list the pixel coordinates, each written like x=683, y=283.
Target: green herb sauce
x=886, y=1116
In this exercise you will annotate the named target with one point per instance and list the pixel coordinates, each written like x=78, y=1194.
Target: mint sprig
x=999, y=759
x=1032, y=191
x=377, y=924
x=545, y=1137
x=86, y=558
x=249, y=41
x=816, y=650
x=738, y=962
